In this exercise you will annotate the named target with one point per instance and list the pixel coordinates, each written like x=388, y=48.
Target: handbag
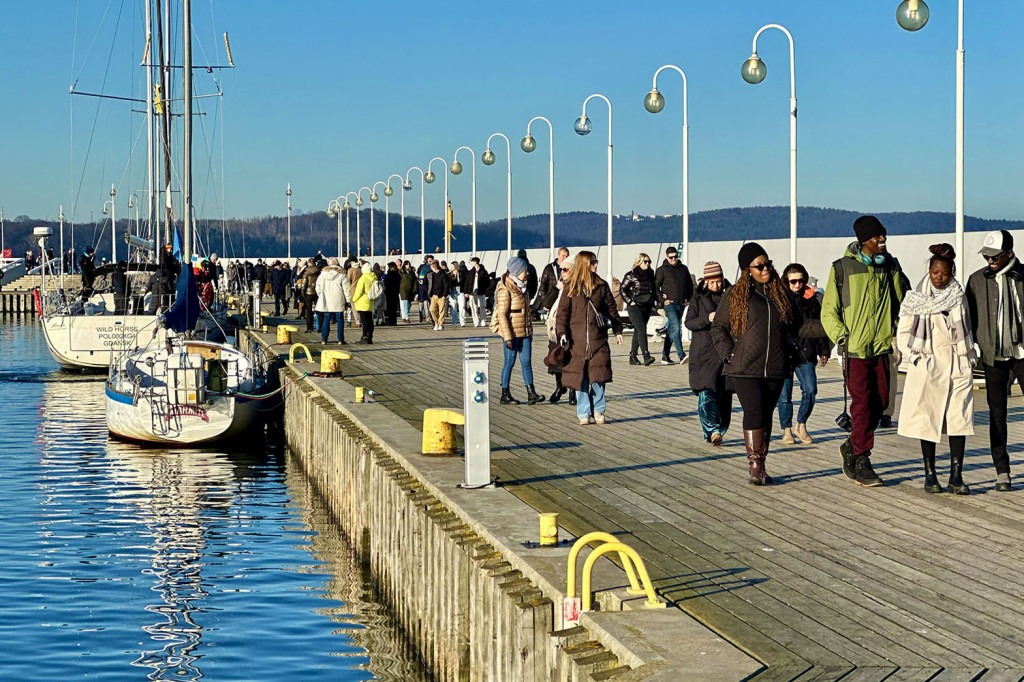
x=557, y=357
x=600, y=320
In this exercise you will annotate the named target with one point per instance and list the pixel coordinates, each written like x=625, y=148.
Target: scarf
x=1010, y=328
x=519, y=283
x=925, y=300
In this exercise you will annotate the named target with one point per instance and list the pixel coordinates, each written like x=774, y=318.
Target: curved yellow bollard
x=652, y=599
x=291, y=352
x=589, y=539
x=439, y=430
x=330, y=360
x=284, y=332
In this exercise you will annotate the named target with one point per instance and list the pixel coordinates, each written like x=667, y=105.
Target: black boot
x=956, y=479
x=846, y=452
x=931, y=481
x=648, y=360
x=557, y=395
x=572, y=396
x=506, y=397
x=633, y=360
x=532, y=397
x=864, y=474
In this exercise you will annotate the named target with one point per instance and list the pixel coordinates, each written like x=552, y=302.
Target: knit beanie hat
x=712, y=270
x=866, y=227
x=749, y=253
x=521, y=253
x=515, y=266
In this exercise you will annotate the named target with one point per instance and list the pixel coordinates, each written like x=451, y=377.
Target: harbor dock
x=812, y=578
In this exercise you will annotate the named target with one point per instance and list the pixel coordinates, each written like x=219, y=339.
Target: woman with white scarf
x=935, y=337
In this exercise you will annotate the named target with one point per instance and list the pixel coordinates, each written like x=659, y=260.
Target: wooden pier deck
x=815, y=577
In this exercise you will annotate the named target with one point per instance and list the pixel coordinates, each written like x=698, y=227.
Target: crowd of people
x=754, y=340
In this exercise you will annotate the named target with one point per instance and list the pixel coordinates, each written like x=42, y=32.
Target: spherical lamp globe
x=912, y=15
x=753, y=70
x=488, y=158
x=654, y=102
x=583, y=126
x=528, y=144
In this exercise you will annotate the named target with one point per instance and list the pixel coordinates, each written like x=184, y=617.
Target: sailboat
x=184, y=390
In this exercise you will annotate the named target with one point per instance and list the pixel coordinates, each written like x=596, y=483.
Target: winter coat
x=548, y=291
x=438, y=284
x=476, y=281
x=531, y=281
x=259, y=272
x=638, y=288
x=673, y=282
x=307, y=283
x=866, y=316
x=392, y=285
x=407, y=289
x=811, y=349
x=512, y=311
x=767, y=348
x=705, y=364
x=587, y=344
x=361, y=300
x=279, y=280
x=330, y=290
x=937, y=392
x=983, y=303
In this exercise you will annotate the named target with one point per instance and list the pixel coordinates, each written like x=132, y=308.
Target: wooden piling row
x=17, y=303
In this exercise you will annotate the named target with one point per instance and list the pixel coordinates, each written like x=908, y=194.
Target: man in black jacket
x=548, y=291
x=474, y=287
x=439, y=286
x=280, y=285
x=675, y=289
x=995, y=295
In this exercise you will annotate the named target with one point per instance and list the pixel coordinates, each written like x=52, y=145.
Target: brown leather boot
x=757, y=449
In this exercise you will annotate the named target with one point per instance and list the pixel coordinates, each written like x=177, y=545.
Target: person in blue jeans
x=512, y=319
x=808, y=354
x=674, y=286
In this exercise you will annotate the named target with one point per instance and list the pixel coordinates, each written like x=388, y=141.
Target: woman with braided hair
x=754, y=331
x=934, y=334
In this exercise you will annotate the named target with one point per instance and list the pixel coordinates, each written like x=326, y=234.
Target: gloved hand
x=509, y=344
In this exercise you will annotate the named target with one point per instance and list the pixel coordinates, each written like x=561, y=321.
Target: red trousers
x=868, y=383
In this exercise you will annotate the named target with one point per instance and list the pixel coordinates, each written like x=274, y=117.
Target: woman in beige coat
x=935, y=337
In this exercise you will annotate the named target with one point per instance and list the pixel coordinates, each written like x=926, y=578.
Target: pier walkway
x=815, y=577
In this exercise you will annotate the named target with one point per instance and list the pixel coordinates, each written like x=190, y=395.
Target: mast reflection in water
x=184, y=564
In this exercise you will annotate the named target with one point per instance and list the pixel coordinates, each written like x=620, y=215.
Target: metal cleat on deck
x=439, y=430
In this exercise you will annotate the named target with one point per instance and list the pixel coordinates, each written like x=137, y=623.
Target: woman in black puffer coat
x=714, y=399
x=638, y=291
x=755, y=329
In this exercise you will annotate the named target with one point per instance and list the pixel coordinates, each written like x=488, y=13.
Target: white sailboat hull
x=223, y=417
x=89, y=342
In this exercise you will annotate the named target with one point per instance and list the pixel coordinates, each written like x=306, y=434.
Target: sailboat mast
x=147, y=60
x=186, y=181
x=163, y=28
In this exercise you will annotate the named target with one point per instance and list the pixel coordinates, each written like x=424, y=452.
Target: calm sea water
x=126, y=563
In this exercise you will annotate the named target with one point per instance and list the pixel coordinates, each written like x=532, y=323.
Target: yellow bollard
x=284, y=332
x=549, y=528
x=439, y=430
x=330, y=360
x=360, y=394
x=291, y=352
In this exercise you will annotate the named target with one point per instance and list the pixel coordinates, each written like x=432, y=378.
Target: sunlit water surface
x=127, y=563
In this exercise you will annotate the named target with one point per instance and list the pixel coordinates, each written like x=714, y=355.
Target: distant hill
x=267, y=235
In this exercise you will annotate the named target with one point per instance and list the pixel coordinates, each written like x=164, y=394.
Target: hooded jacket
x=864, y=316
x=330, y=290
x=983, y=304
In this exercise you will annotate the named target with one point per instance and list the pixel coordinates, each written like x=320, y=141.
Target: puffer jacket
x=512, y=311
x=705, y=365
x=307, y=283
x=767, y=348
x=360, y=294
x=638, y=288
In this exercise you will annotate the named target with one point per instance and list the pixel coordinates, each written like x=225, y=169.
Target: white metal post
x=960, y=140
x=473, y=214
x=372, y=202
x=401, y=187
x=60, y=217
x=551, y=184
x=288, y=193
x=423, y=218
x=359, y=243
x=610, y=242
x=686, y=160
x=113, y=227
x=444, y=210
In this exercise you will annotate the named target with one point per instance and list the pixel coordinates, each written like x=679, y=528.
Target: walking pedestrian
x=674, y=290
x=308, y=284
x=407, y=290
x=514, y=323
x=280, y=284
x=859, y=311
x=714, y=397
x=809, y=353
x=995, y=295
x=392, y=294
x=438, y=287
x=754, y=330
x=455, y=301
x=330, y=301
x=363, y=301
x=585, y=313
x=476, y=283
x=934, y=334
x=638, y=290
x=564, y=270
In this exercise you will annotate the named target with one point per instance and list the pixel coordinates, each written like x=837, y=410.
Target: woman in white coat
x=331, y=299
x=934, y=335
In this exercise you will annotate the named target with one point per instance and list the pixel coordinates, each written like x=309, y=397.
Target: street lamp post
x=456, y=168
x=654, y=102
x=373, y=199
x=60, y=217
x=388, y=191
x=348, y=223
x=753, y=72
x=359, y=202
x=133, y=202
x=488, y=159
x=583, y=126
x=113, y=225
x=912, y=15
x=529, y=144
x=334, y=211
x=423, y=218
x=429, y=177
x=288, y=193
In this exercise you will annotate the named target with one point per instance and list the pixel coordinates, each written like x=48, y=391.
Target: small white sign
x=571, y=610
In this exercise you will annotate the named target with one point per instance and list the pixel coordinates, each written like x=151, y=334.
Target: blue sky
x=330, y=96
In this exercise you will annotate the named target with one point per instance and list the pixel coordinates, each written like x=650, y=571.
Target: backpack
x=375, y=290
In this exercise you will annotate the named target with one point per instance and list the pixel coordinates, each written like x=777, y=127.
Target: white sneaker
x=436, y=328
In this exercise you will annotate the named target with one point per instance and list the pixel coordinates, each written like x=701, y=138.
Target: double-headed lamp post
x=488, y=159
x=654, y=102
x=373, y=199
x=359, y=203
x=113, y=225
x=528, y=144
x=288, y=194
x=423, y=218
x=912, y=15
x=348, y=223
x=430, y=177
x=754, y=71
x=583, y=126
x=456, y=168
x=334, y=211
x=388, y=191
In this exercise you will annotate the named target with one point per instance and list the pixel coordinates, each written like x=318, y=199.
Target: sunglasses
x=646, y=262
x=996, y=257
x=793, y=282
x=565, y=269
x=672, y=257
x=763, y=266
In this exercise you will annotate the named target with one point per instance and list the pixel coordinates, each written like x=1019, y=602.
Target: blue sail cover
x=183, y=314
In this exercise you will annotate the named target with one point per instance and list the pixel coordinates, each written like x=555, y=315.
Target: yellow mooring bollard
x=549, y=528
x=439, y=430
x=296, y=346
x=360, y=394
x=284, y=332
x=330, y=360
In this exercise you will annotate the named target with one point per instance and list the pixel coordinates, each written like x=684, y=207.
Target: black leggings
x=957, y=445
x=758, y=398
x=366, y=319
x=638, y=317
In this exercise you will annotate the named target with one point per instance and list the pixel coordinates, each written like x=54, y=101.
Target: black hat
x=867, y=227
x=749, y=253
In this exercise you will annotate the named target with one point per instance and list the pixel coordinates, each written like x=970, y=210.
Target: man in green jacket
x=860, y=312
